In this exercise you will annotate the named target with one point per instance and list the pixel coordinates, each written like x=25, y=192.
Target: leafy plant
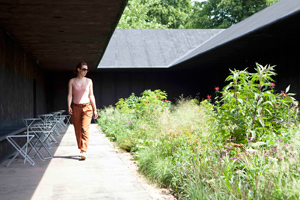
x=250, y=108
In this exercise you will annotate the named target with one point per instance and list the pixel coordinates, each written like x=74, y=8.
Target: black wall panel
x=18, y=72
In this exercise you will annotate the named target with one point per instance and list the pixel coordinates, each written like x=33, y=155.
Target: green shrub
x=250, y=108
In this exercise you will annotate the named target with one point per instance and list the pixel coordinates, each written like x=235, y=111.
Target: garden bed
x=242, y=142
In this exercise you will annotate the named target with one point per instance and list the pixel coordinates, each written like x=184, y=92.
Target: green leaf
x=287, y=89
x=273, y=197
x=259, y=101
x=256, y=96
x=268, y=102
x=268, y=111
x=262, y=122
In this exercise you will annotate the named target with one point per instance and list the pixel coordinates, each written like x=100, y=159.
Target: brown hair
x=79, y=65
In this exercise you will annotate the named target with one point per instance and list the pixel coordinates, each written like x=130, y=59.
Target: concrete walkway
x=103, y=175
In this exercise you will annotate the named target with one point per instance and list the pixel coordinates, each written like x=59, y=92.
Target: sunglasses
x=85, y=69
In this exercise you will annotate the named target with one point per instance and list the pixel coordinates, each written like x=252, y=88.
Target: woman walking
x=81, y=103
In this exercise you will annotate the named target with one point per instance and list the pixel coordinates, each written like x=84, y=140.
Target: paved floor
x=102, y=176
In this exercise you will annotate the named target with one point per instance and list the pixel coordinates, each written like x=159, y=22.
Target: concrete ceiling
x=58, y=34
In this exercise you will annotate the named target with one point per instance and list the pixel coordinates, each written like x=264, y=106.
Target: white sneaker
x=83, y=155
x=80, y=153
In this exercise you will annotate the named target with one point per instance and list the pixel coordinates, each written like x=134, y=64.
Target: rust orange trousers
x=81, y=119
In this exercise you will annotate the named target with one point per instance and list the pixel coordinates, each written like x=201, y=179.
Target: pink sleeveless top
x=81, y=93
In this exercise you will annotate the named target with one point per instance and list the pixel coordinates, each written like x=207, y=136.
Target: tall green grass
x=182, y=146
x=179, y=149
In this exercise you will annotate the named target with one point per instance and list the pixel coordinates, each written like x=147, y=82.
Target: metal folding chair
x=42, y=136
x=47, y=122
x=23, y=149
x=67, y=118
x=20, y=149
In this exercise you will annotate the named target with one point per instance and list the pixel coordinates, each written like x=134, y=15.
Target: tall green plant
x=249, y=106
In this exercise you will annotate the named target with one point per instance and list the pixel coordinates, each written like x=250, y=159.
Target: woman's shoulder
x=89, y=80
x=71, y=80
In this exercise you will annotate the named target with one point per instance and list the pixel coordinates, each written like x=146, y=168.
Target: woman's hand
x=70, y=111
x=95, y=114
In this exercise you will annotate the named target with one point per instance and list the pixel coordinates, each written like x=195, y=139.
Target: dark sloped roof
x=152, y=48
x=269, y=15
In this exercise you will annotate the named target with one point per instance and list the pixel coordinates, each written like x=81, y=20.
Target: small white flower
x=252, y=150
x=258, y=144
x=273, y=159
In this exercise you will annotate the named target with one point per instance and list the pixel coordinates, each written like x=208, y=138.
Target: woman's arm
x=93, y=101
x=70, y=96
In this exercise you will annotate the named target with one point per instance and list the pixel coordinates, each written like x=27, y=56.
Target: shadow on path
x=68, y=157
x=103, y=175
x=19, y=180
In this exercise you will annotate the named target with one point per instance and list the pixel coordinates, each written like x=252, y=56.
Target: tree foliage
x=224, y=13
x=155, y=14
x=173, y=14
x=135, y=16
